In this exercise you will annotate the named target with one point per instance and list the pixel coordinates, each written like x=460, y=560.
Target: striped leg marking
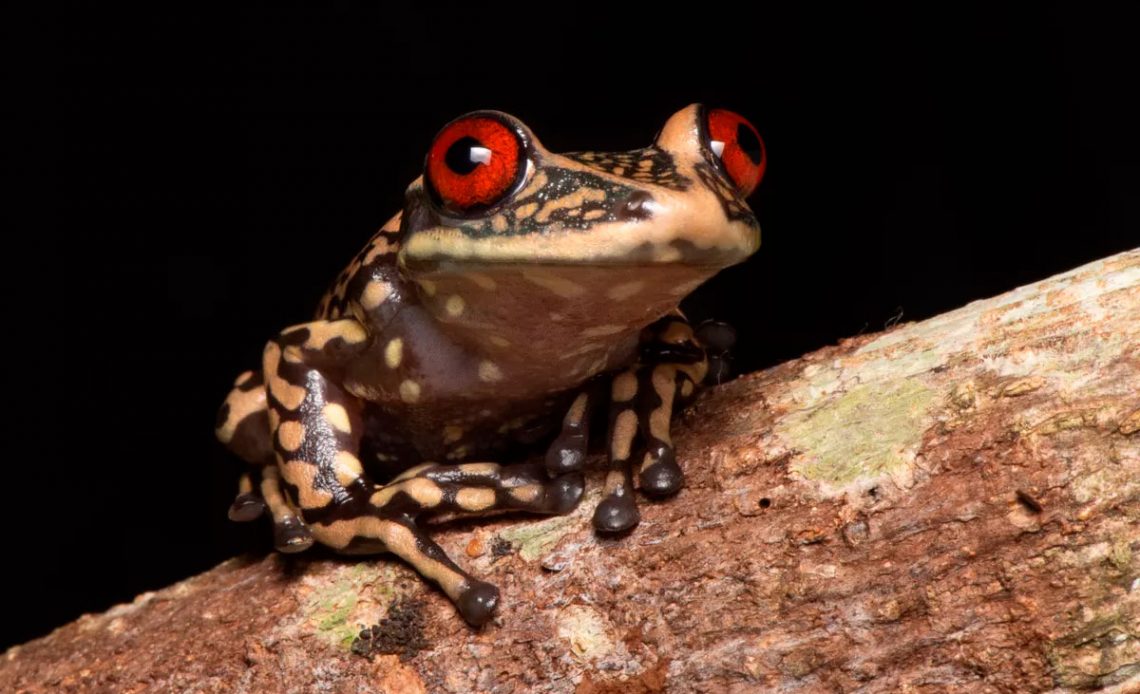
x=642, y=401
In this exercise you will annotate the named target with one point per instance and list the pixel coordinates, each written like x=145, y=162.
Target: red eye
x=741, y=151
x=474, y=162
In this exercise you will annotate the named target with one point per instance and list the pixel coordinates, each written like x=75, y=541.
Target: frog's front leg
x=317, y=428
x=642, y=401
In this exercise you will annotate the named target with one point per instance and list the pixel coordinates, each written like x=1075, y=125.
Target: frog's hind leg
x=243, y=426
x=642, y=401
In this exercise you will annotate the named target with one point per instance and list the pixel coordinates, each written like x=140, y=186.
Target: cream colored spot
x=577, y=410
x=624, y=387
x=428, y=286
x=322, y=332
x=452, y=433
x=687, y=388
x=583, y=349
x=481, y=469
x=347, y=467
x=454, y=305
x=498, y=341
x=337, y=416
x=685, y=288
x=292, y=354
x=499, y=223
x=394, y=352
x=291, y=435
x=243, y=378
x=666, y=254
x=475, y=498
x=375, y=294
x=289, y=395
x=489, y=372
x=482, y=281
x=526, y=210
x=602, y=330
x=426, y=493
x=302, y=475
x=409, y=391
x=527, y=494
x=594, y=214
x=567, y=289
x=621, y=292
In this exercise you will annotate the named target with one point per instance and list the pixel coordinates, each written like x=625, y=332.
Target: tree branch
x=952, y=505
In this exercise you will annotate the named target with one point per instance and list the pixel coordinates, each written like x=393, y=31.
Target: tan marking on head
x=394, y=352
x=621, y=438
x=428, y=286
x=525, y=211
x=482, y=281
x=409, y=391
x=624, y=387
x=499, y=223
x=452, y=433
x=571, y=200
x=567, y=289
x=602, y=330
x=594, y=214
x=291, y=435
x=498, y=341
x=337, y=416
x=489, y=372
x=526, y=494
x=475, y=498
x=536, y=183
x=454, y=305
x=375, y=293
x=621, y=292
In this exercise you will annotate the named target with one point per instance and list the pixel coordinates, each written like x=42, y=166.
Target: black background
x=217, y=170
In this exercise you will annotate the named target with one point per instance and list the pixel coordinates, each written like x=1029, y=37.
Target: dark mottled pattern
x=649, y=165
x=735, y=209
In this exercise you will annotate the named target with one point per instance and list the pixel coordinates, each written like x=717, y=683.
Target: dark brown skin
x=471, y=328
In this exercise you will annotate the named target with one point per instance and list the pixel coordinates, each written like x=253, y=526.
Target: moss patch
x=862, y=434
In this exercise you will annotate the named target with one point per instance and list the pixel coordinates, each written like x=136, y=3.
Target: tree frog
x=516, y=292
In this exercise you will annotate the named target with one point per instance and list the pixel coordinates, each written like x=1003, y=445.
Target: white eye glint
x=716, y=146
x=482, y=155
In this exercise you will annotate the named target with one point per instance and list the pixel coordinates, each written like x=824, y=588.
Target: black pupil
x=458, y=157
x=745, y=139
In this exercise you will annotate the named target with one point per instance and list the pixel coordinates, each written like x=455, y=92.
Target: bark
x=952, y=505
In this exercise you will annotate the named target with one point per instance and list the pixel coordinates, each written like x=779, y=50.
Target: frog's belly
x=399, y=436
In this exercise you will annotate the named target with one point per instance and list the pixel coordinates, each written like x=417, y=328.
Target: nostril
x=636, y=206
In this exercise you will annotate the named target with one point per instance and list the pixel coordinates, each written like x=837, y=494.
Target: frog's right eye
x=474, y=163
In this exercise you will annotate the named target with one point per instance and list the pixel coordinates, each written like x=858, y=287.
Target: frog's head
x=608, y=239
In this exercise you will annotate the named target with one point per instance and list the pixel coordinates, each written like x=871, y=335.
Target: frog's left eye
x=738, y=146
x=474, y=163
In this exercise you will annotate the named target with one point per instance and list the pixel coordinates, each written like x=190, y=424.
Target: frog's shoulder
x=370, y=279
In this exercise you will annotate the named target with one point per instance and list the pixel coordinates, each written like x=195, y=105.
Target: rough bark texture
x=953, y=505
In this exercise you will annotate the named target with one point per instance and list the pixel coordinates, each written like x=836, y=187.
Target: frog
x=516, y=295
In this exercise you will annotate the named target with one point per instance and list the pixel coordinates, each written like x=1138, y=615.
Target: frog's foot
x=717, y=337
x=469, y=488
x=568, y=451
x=642, y=401
x=248, y=504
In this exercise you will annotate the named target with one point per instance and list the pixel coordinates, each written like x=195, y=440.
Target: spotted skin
x=453, y=341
